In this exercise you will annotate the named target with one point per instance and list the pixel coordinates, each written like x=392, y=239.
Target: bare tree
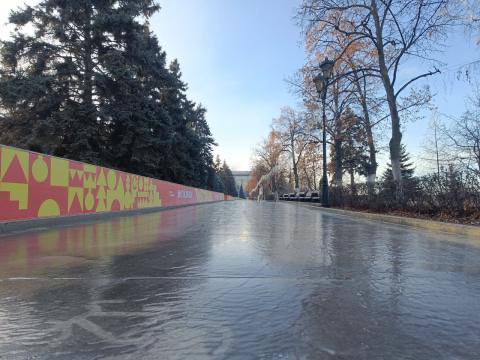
x=309, y=166
x=471, y=13
x=291, y=128
x=340, y=97
x=436, y=150
x=340, y=100
x=393, y=31
x=464, y=136
x=268, y=152
x=267, y=166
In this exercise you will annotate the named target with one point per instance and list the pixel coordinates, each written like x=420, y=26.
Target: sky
x=235, y=57
x=236, y=54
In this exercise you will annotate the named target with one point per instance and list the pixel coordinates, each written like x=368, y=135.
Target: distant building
x=241, y=178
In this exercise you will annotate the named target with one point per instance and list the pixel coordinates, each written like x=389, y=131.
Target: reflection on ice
x=239, y=279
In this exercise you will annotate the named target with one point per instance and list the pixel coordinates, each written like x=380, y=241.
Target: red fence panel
x=35, y=186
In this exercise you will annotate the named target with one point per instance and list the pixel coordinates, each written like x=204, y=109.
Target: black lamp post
x=321, y=83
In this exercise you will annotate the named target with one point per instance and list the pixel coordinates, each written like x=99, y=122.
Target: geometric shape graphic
x=127, y=183
x=76, y=178
x=75, y=193
x=115, y=196
x=89, y=201
x=38, y=185
x=101, y=207
x=91, y=169
x=101, y=195
x=112, y=179
x=14, y=166
x=18, y=192
x=120, y=187
x=89, y=181
x=40, y=170
x=128, y=200
x=135, y=183
x=59, y=172
x=49, y=208
x=101, y=181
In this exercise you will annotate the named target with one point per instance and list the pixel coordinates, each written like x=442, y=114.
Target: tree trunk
x=476, y=152
x=396, y=139
x=338, y=144
x=372, y=160
x=307, y=177
x=372, y=152
x=87, y=93
x=436, y=150
x=294, y=164
x=338, y=176
x=353, y=189
x=395, y=150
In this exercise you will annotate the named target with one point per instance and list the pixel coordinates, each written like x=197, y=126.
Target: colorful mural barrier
x=36, y=186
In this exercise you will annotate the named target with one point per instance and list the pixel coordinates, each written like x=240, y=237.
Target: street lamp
x=321, y=83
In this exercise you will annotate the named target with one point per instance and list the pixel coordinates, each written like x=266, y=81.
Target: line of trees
x=370, y=100
x=88, y=80
x=224, y=180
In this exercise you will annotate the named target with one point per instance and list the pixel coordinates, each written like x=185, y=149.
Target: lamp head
x=320, y=83
x=327, y=68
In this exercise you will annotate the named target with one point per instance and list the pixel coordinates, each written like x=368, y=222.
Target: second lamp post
x=321, y=83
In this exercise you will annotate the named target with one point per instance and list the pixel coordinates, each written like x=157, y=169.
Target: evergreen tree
x=216, y=176
x=138, y=127
x=91, y=84
x=354, y=147
x=201, y=144
x=54, y=81
x=228, y=180
x=411, y=186
x=241, y=193
x=189, y=157
x=219, y=186
x=217, y=164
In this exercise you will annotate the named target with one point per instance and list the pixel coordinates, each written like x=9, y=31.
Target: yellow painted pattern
x=8, y=156
x=49, y=208
x=59, y=172
x=35, y=185
x=40, y=170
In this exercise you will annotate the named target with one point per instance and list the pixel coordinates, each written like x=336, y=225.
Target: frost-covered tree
x=87, y=80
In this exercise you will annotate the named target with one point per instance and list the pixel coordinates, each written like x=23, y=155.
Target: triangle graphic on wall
x=14, y=173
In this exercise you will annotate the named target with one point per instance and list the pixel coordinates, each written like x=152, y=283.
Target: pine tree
x=216, y=177
x=200, y=144
x=228, y=180
x=139, y=130
x=54, y=81
x=219, y=185
x=91, y=83
x=241, y=193
x=410, y=181
x=354, y=147
x=189, y=158
x=218, y=164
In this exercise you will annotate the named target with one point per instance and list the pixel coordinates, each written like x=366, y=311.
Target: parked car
x=302, y=196
x=292, y=197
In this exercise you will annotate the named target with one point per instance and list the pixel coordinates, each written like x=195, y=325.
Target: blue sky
x=236, y=54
